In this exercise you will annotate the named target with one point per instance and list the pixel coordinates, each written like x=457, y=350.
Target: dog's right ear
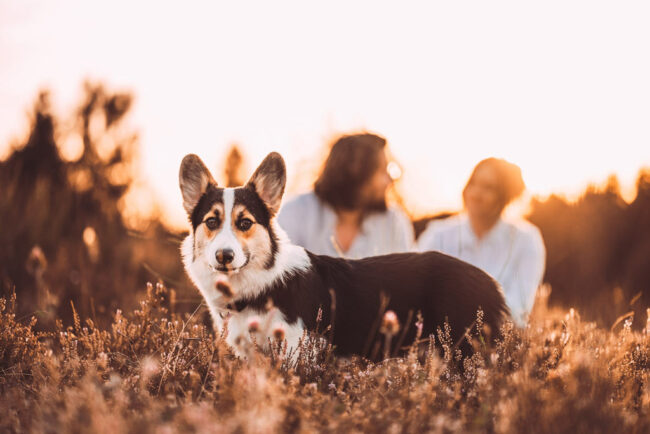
x=194, y=179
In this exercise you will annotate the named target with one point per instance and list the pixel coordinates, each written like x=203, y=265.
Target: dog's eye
x=245, y=224
x=211, y=223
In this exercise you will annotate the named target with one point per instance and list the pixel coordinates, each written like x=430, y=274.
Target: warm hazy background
x=559, y=87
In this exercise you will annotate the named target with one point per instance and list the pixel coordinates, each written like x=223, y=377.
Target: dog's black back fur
x=441, y=287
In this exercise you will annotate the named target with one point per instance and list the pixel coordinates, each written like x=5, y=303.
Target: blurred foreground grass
x=154, y=371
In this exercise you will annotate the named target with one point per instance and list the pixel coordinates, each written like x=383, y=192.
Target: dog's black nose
x=225, y=256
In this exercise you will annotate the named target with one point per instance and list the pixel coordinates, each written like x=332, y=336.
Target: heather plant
x=21, y=348
x=154, y=370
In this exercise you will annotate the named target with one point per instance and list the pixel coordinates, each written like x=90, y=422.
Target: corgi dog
x=242, y=262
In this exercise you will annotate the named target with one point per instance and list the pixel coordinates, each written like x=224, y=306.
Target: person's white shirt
x=311, y=223
x=511, y=252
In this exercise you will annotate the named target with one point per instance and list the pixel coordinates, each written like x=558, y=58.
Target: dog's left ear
x=269, y=180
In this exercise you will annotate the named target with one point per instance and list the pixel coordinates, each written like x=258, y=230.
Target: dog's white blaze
x=226, y=238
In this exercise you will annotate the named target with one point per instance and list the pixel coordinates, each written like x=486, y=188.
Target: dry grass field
x=152, y=371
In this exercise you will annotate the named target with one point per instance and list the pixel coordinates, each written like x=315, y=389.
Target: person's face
x=374, y=192
x=482, y=194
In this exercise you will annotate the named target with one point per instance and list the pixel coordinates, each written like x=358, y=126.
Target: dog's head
x=232, y=228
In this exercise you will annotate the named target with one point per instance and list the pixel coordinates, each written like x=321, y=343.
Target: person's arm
x=525, y=276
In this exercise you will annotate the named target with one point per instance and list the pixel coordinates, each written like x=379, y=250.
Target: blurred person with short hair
x=347, y=212
x=511, y=251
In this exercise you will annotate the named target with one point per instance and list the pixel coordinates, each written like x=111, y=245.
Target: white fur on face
x=226, y=238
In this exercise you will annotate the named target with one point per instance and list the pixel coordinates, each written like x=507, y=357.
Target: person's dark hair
x=510, y=182
x=352, y=161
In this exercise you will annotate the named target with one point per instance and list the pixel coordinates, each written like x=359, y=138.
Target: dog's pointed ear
x=194, y=179
x=269, y=180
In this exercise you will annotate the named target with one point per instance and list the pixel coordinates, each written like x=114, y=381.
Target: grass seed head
x=278, y=332
x=390, y=323
x=254, y=324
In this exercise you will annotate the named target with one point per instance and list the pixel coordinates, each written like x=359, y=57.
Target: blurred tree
x=63, y=236
x=635, y=257
x=588, y=245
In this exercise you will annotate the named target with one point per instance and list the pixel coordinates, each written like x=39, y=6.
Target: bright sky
x=561, y=88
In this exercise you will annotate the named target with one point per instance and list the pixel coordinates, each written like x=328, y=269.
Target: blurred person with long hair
x=512, y=252
x=347, y=213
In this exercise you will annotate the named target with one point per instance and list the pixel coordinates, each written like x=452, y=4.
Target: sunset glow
x=560, y=87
